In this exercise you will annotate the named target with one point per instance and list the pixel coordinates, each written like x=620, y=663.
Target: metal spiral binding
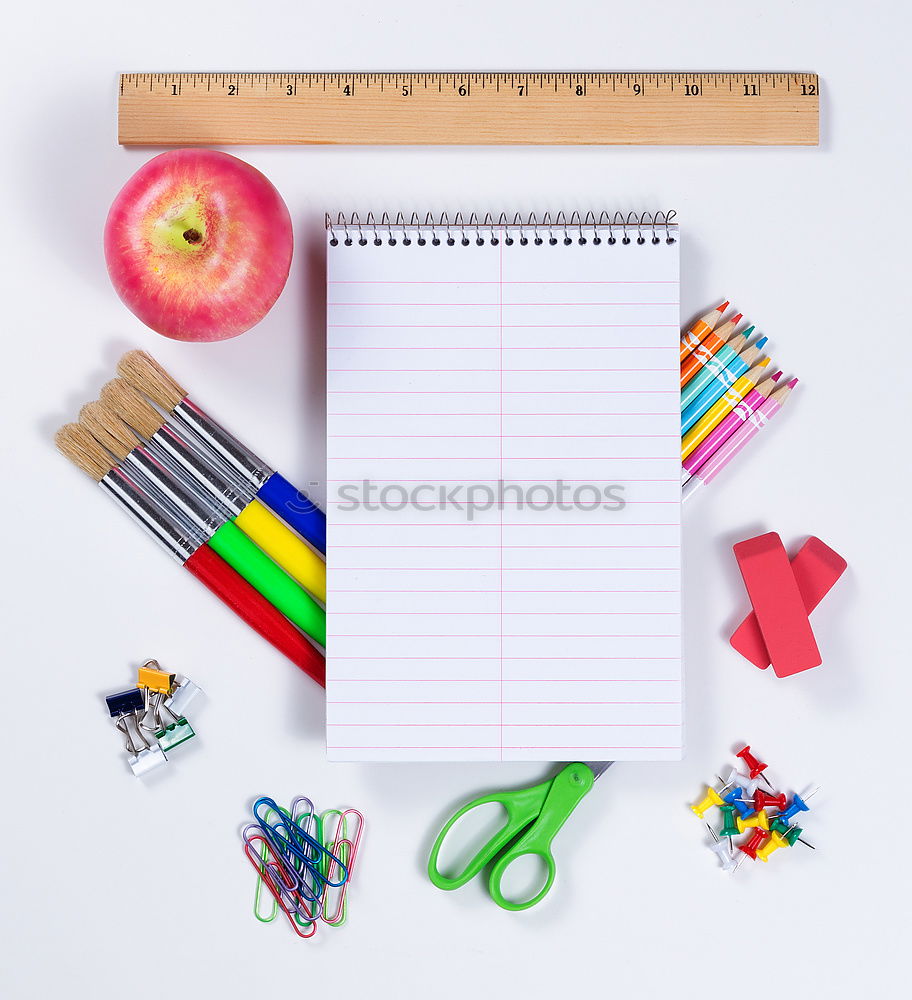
x=609, y=228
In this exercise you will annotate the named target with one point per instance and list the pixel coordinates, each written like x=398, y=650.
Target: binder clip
x=155, y=707
x=126, y=706
x=156, y=687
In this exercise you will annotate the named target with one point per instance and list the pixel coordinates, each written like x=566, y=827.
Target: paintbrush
x=291, y=504
x=126, y=406
x=188, y=548
x=213, y=526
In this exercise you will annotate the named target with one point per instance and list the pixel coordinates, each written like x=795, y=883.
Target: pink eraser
x=816, y=568
x=777, y=603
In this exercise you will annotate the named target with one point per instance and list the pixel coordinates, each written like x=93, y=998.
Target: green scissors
x=534, y=817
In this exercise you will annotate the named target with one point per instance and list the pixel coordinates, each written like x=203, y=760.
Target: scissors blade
x=598, y=767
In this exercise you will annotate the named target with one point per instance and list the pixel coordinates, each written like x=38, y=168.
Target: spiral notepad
x=504, y=489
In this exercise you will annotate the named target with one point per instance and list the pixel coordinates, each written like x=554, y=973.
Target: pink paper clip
x=349, y=845
x=277, y=881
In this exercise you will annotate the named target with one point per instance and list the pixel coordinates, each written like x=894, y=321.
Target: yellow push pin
x=760, y=820
x=712, y=798
x=775, y=841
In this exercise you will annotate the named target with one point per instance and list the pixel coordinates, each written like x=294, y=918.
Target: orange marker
x=701, y=329
x=705, y=350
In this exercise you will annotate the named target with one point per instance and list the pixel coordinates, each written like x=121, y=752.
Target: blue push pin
x=796, y=806
x=735, y=797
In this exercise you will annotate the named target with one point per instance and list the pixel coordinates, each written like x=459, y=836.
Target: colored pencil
x=701, y=329
x=727, y=402
x=129, y=409
x=225, y=538
x=723, y=455
x=722, y=381
x=704, y=351
x=714, y=367
x=729, y=425
x=291, y=504
x=189, y=549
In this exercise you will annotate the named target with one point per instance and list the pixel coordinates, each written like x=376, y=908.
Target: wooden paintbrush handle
x=253, y=608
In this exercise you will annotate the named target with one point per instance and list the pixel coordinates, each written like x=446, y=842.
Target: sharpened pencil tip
x=792, y=384
x=723, y=307
x=777, y=376
x=738, y=318
x=748, y=331
x=761, y=342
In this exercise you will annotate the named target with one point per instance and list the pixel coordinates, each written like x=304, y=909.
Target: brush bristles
x=78, y=445
x=108, y=429
x=131, y=407
x=143, y=372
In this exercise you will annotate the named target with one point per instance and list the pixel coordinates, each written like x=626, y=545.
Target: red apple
x=198, y=244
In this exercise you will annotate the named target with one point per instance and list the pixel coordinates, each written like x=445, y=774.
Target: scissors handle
x=522, y=807
x=564, y=794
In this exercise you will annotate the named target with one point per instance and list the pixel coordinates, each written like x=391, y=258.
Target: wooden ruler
x=180, y=109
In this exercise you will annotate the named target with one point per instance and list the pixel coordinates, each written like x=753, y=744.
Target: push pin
x=764, y=801
x=797, y=805
x=729, y=823
x=776, y=840
x=792, y=834
x=735, y=797
x=724, y=854
x=712, y=798
x=758, y=821
x=755, y=767
x=753, y=843
x=749, y=785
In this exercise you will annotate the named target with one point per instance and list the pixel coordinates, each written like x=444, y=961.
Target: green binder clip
x=175, y=733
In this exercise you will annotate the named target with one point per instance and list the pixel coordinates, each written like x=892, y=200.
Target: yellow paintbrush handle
x=284, y=547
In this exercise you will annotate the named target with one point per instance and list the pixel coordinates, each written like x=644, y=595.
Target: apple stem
x=193, y=235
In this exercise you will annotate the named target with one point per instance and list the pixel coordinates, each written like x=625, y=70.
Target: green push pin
x=729, y=823
x=791, y=834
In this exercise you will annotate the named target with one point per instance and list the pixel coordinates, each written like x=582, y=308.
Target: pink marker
x=716, y=462
x=751, y=402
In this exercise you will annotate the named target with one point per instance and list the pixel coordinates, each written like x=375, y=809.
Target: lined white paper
x=529, y=632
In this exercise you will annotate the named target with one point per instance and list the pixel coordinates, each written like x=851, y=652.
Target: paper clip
x=297, y=842
x=344, y=846
x=302, y=817
x=264, y=916
x=292, y=882
x=272, y=874
x=298, y=874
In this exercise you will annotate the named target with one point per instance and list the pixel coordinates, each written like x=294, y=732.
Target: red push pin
x=764, y=801
x=755, y=767
x=754, y=843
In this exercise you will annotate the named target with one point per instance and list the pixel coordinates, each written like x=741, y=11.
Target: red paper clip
x=268, y=870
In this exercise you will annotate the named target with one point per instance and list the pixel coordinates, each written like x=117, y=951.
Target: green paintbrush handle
x=270, y=580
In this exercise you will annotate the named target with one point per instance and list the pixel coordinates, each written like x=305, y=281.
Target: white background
x=113, y=887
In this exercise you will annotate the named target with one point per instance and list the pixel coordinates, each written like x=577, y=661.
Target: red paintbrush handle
x=249, y=604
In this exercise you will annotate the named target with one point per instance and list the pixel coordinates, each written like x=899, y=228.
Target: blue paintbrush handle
x=296, y=509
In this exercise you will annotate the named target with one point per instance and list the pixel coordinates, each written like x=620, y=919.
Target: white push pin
x=750, y=785
x=723, y=851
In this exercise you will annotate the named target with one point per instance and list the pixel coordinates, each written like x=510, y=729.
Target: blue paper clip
x=297, y=842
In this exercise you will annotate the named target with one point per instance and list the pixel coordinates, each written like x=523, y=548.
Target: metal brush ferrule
x=176, y=538
x=171, y=449
x=161, y=481
x=245, y=463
